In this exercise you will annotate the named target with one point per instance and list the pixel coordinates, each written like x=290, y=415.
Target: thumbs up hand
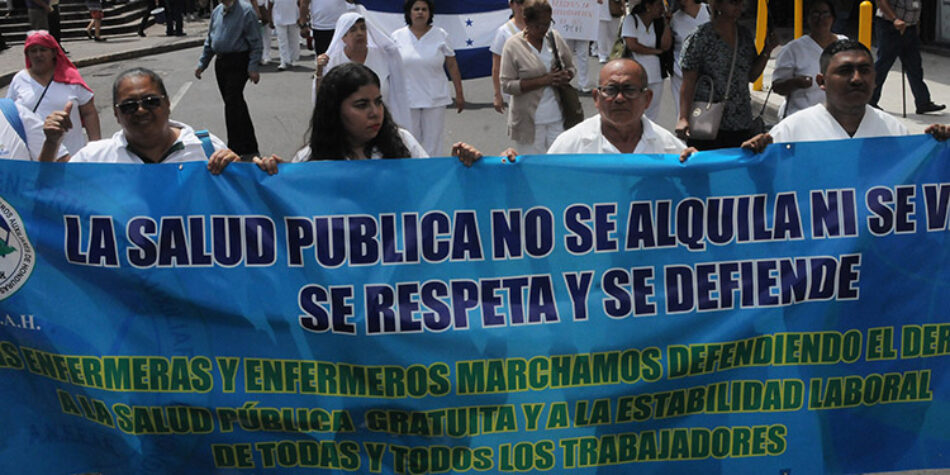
x=58, y=123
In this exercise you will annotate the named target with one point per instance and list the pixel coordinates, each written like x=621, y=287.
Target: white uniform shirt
x=816, y=123
x=12, y=146
x=587, y=137
x=548, y=111
x=682, y=25
x=502, y=34
x=26, y=92
x=324, y=13
x=646, y=36
x=422, y=59
x=285, y=12
x=800, y=58
x=415, y=149
x=115, y=149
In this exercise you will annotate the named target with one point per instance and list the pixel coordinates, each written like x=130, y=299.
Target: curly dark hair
x=326, y=133
x=407, y=10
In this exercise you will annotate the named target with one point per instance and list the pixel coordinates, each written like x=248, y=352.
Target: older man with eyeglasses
x=140, y=105
x=621, y=127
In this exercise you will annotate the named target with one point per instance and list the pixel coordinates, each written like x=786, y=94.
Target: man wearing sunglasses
x=140, y=105
x=621, y=98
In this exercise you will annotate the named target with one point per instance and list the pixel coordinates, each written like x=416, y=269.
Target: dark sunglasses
x=132, y=105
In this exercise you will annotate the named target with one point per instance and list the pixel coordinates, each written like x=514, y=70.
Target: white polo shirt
x=634, y=27
x=587, y=137
x=502, y=34
x=415, y=149
x=800, y=58
x=422, y=60
x=12, y=146
x=115, y=149
x=816, y=123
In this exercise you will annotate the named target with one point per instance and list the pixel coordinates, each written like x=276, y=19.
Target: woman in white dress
x=640, y=37
x=691, y=14
x=425, y=51
x=511, y=28
x=350, y=121
x=797, y=62
x=49, y=82
x=360, y=41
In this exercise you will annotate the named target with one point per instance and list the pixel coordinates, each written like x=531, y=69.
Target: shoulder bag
x=571, y=109
x=759, y=125
x=706, y=116
x=619, y=49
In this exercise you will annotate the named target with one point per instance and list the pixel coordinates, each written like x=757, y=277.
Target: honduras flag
x=471, y=25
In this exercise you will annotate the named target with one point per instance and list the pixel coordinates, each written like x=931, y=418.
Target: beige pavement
x=86, y=52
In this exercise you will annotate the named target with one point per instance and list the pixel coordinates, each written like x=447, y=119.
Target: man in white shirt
x=622, y=97
x=621, y=127
x=141, y=107
x=847, y=77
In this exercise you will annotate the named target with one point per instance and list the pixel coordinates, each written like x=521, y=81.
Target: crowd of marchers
x=378, y=95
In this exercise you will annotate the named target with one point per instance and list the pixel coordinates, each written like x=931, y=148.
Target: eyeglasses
x=132, y=105
x=610, y=91
x=821, y=14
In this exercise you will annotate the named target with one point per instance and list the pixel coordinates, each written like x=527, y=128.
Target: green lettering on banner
x=921, y=341
x=852, y=391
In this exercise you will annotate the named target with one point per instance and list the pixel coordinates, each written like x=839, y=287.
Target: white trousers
x=654, y=110
x=266, y=34
x=289, y=43
x=607, y=36
x=581, y=52
x=427, y=126
x=676, y=83
x=544, y=135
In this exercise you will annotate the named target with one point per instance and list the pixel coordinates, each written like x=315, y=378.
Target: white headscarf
x=397, y=99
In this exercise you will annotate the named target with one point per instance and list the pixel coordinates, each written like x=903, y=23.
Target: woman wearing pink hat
x=49, y=82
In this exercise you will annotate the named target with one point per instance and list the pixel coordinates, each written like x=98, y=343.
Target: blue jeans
x=892, y=45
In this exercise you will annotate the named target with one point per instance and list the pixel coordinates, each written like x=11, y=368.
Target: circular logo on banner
x=16, y=253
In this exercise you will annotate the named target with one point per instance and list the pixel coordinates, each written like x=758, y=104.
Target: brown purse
x=571, y=108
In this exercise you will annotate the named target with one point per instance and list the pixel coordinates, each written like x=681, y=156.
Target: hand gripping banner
x=776, y=313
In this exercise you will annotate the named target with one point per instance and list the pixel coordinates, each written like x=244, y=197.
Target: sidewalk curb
x=5, y=78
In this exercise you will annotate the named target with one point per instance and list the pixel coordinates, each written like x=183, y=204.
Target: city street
x=280, y=104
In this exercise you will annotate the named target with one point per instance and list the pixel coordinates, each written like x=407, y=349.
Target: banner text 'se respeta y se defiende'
x=738, y=313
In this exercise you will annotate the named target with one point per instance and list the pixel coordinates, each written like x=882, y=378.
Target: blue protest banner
x=740, y=313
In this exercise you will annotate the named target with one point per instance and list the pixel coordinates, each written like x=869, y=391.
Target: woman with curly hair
x=351, y=122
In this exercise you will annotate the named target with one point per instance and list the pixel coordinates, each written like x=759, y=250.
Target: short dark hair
x=407, y=10
x=534, y=8
x=838, y=47
x=137, y=72
x=814, y=3
x=642, y=6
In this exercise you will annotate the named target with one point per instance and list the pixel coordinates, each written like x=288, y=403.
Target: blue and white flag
x=471, y=25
